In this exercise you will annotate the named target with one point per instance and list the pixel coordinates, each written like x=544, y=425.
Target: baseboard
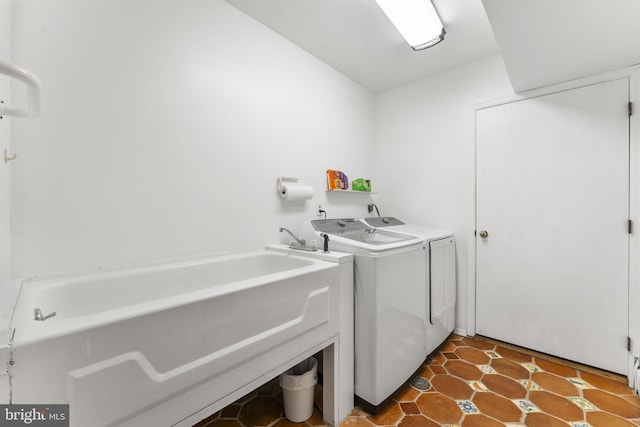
x=460, y=331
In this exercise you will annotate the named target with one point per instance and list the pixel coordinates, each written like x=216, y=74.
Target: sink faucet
x=37, y=315
x=301, y=242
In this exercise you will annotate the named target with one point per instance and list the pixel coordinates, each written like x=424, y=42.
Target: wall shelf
x=351, y=192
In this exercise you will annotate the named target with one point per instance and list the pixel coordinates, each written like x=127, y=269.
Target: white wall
x=164, y=127
x=5, y=221
x=5, y=143
x=425, y=152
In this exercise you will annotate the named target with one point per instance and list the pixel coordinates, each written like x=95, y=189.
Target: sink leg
x=331, y=383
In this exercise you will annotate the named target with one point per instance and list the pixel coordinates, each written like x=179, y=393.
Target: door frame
x=633, y=74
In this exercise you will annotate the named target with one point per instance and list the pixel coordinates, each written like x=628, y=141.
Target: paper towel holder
x=285, y=179
x=285, y=184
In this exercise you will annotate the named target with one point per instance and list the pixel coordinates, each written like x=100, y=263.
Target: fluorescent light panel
x=416, y=20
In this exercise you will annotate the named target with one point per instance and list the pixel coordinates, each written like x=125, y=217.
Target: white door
x=553, y=200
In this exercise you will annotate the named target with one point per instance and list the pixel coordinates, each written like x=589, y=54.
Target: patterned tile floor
x=470, y=383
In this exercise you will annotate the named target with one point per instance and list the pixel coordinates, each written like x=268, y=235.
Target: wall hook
x=7, y=157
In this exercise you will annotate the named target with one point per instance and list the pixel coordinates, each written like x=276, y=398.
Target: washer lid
x=351, y=232
x=393, y=224
x=338, y=225
x=384, y=221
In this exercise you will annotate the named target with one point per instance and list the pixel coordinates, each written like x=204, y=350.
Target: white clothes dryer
x=389, y=294
x=440, y=277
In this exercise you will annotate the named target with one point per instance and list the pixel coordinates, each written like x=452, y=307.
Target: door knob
x=484, y=234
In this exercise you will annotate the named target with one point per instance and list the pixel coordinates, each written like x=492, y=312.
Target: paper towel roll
x=294, y=191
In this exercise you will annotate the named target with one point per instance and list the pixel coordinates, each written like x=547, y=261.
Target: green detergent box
x=361, y=184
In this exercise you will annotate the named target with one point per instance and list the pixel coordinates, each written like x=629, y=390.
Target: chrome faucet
x=37, y=315
x=300, y=242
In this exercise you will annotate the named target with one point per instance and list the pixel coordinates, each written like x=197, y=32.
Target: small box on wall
x=337, y=180
x=361, y=184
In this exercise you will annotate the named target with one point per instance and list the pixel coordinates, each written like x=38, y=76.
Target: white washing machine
x=440, y=276
x=389, y=293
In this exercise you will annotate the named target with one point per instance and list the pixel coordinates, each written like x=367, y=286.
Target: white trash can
x=298, y=385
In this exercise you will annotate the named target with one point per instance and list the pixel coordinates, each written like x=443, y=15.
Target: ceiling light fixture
x=416, y=20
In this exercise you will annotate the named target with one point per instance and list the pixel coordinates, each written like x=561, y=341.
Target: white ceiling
x=542, y=42
x=357, y=39
x=550, y=41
